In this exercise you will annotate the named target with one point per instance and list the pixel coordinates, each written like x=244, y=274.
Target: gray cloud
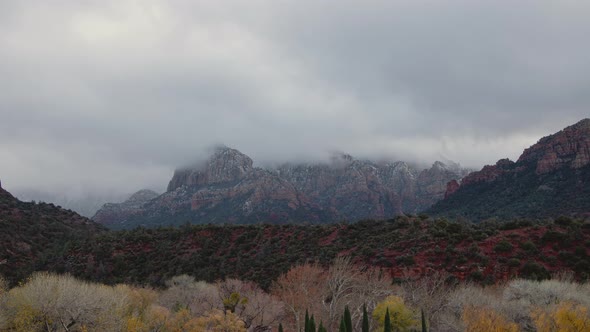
x=113, y=95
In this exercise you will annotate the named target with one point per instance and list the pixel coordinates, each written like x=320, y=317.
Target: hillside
x=401, y=247
x=31, y=233
x=228, y=189
x=551, y=178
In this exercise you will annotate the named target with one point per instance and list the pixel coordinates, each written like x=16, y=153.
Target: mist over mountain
x=228, y=189
x=113, y=95
x=84, y=203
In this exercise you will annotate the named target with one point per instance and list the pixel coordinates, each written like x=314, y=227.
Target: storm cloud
x=113, y=95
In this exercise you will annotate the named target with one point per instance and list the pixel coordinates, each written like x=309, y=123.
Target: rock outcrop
x=228, y=189
x=567, y=148
x=550, y=178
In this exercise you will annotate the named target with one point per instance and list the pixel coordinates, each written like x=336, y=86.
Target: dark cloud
x=113, y=95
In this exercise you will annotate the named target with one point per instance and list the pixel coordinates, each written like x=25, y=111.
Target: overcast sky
x=113, y=95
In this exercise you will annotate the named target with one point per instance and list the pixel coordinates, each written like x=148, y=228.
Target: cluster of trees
x=307, y=298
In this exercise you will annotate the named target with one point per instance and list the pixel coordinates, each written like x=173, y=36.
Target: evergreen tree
x=365, y=326
x=312, y=324
x=322, y=328
x=306, y=325
x=424, y=329
x=342, y=325
x=387, y=322
x=280, y=327
x=347, y=319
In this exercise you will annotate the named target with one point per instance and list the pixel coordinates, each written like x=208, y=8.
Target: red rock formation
x=227, y=187
x=529, y=181
x=567, y=148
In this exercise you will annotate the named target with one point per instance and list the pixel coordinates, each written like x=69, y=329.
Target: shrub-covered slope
x=31, y=233
x=401, y=247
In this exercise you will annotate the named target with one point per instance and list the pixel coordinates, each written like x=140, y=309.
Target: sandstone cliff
x=550, y=178
x=228, y=189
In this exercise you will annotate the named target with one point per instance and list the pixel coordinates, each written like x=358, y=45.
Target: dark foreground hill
x=401, y=247
x=551, y=178
x=31, y=233
x=228, y=189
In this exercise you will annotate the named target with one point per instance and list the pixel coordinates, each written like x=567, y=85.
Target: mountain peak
x=569, y=147
x=224, y=165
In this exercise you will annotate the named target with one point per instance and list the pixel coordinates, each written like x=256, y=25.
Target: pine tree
x=322, y=328
x=365, y=326
x=280, y=327
x=387, y=322
x=306, y=325
x=347, y=319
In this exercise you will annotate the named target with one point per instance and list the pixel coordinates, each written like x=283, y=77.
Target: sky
x=111, y=96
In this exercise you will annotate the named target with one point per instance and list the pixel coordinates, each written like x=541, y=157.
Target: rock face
x=550, y=178
x=112, y=212
x=228, y=189
x=567, y=148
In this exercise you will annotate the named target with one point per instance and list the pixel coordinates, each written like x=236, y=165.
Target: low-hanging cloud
x=113, y=95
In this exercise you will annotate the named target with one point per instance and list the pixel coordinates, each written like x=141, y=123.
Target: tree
x=280, y=327
x=486, y=319
x=387, y=321
x=347, y=319
x=401, y=317
x=64, y=303
x=566, y=316
x=321, y=328
x=301, y=288
x=217, y=321
x=423, y=320
x=342, y=325
x=431, y=293
x=365, y=324
x=197, y=296
x=312, y=324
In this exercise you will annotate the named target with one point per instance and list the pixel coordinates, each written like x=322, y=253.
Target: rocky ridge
x=227, y=188
x=550, y=178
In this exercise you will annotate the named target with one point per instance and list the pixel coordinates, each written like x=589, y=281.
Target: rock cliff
x=228, y=189
x=551, y=178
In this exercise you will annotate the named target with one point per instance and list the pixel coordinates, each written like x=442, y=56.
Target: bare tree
x=301, y=289
x=429, y=293
x=198, y=297
x=63, y=303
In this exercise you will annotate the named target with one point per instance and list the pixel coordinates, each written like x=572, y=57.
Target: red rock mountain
x=228, y=189
x=550, y=178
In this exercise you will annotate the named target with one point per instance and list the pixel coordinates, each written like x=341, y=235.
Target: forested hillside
x=487, y=253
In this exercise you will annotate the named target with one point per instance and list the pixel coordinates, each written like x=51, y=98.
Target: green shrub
x=503, y=246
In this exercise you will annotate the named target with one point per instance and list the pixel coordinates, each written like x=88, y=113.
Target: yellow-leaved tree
x=401, y=317
x=565, y=317
x=486, y=319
